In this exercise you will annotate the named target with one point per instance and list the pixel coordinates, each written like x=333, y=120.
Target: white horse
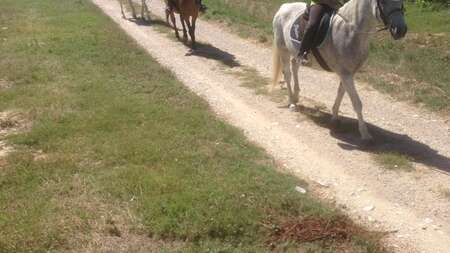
x=144, y=9
x=344, y=50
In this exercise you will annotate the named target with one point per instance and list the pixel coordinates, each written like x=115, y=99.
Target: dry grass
x=394, y=161
x=5, y=84
x=11, y=122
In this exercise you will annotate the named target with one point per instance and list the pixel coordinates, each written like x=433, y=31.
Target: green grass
x=427, y=20
x=112, y=131
x=414, y=69
x=394, y=161
x=249, y=18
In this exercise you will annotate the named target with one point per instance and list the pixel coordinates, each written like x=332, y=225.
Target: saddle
x=320, y=34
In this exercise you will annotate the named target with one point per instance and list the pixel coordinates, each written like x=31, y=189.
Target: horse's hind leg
x=133, y=11
x=167, y=15
x=191, y=28
x=337, y=102
x=144, y=10
x=121, y=9
x=172, y=17
x=295, y=66
x=349, y=86
x=286, y=63
x=183, y=23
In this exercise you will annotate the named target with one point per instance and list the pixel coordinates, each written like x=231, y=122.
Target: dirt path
x=409, y=203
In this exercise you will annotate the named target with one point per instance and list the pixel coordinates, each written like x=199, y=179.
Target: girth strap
x=320, y=60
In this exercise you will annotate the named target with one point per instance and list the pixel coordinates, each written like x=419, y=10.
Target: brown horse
x=188, y=10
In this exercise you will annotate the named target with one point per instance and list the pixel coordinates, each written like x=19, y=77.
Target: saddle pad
x=295, y=32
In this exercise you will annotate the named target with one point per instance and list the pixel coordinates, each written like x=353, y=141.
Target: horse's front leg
x=295, y=66
x=337, y=103
x=192, y=31
x=349, y=86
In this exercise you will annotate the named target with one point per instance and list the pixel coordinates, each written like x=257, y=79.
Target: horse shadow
x=151, y=22
x=203, y=50
x=211, y=52
x=385, y=141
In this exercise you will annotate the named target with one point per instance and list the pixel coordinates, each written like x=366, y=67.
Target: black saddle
x=320, y=34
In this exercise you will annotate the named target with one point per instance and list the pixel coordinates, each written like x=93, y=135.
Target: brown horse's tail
x=277, y=64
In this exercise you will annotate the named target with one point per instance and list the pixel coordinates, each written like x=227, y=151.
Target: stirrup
x=303, y=59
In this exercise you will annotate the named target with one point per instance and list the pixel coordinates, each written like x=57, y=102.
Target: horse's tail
x=276, y=65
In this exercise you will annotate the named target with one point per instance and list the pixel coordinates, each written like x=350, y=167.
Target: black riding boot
x=315, y=15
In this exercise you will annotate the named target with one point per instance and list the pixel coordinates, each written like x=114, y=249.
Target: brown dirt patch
x=313, y=228
x=339, y=231
x=10, y=123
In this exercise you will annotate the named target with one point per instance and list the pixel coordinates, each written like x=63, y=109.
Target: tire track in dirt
x=404, y=202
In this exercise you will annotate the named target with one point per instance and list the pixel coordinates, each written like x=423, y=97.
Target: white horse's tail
x=277, y=64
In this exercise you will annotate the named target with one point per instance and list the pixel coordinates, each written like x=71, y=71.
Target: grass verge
x=121, y=157
x=414, y=69
x=394, y=161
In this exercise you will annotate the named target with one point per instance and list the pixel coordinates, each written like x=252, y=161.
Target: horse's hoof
x=293, y=107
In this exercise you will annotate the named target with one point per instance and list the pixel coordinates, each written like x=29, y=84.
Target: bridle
x=385, y=17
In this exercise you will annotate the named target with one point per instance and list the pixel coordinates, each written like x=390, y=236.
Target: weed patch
x=394, y=161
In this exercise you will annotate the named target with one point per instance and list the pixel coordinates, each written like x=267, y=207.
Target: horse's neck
x=358, y=14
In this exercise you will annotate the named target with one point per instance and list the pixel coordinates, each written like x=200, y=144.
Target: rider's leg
x=315, y=15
